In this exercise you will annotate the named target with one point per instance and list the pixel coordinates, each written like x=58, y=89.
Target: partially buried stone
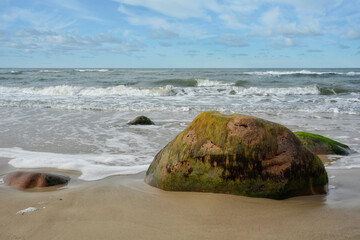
x=240, y=155
x=322, y=145
x=34, y=179
x=142, y=120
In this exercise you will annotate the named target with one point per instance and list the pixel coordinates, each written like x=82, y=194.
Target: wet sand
x=124, y=207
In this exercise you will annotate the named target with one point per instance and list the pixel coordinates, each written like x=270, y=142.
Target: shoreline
x=124, y=207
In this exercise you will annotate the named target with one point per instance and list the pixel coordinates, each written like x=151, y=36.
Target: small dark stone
x=142, y=120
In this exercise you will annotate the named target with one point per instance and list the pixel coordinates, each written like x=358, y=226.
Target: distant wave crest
x=299, y=73
x=91, y=70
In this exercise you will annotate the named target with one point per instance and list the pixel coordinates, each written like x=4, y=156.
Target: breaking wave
x=308, y=90
x=66, y=90
x=193, y=82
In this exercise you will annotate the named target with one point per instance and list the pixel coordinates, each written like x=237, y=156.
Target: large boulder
x=322, y=145
x=240, y=155
x=34, y=179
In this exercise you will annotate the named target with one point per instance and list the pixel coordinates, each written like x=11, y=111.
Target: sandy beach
x=124, y=207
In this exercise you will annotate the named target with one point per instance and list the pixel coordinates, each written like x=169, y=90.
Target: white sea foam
x=66, y=90
x=345, y=162
x=353, y=73
x=279, y=73
x=26, y=210
x=49, y=71
x=92, y=70
x=308, y=90
x=92, y=166
x=209, y=83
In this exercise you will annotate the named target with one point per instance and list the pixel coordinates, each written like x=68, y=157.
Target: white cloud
x=315, y=51
x=275, y=24
x=270, y=18
x=32, y=32
x=165, y=44
x=163, y=34
x=282, y=42
x=174, y=8
x=232, y=21
x=36, y=19
x=51, y=42
x=153, y=22
x=232, y=40
x=2, y=36
x=351, y=35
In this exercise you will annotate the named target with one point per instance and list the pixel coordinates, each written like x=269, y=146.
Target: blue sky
x=180, y=33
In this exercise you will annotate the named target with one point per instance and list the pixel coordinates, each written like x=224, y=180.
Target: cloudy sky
x=180, y=33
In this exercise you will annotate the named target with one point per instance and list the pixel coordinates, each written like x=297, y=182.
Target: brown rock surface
x=34, y=179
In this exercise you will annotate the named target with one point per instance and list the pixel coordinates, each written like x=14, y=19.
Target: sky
x=180, y=33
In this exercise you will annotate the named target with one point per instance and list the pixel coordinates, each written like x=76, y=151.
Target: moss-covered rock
x=240, y=155
x=322, y=145
x=141, y=120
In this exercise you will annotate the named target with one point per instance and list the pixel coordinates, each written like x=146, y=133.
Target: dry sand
x=124, y=207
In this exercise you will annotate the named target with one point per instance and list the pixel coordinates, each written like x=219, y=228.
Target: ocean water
x=76, y=119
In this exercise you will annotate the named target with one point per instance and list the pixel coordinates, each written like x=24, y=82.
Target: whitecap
x=353, y=73
x=308, y=90
x=49, y=71
x=92, y=70
x=279, y=73
x=209, y=83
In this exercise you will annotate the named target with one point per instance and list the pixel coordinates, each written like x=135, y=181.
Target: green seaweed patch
x=322, y=145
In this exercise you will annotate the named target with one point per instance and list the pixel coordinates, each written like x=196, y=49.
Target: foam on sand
x=26, y=210
x=92, y=166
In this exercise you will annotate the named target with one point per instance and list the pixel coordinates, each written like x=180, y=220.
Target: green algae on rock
x=322, y=145
x=237, y=154
x=141, y=120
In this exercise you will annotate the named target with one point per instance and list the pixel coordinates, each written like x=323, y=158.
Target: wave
x=308, y=90
x=296, y=73
x=353, y=73
x=91, y=70
x=241, y=83
x=170, y=90
x=49, y=71
x=15, y=72
x=66, y=90
x=210, y=83
x=332, y=90
x=193, y=82
x=178, y=82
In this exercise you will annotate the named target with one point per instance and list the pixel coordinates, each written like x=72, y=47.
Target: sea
x=77, y=119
